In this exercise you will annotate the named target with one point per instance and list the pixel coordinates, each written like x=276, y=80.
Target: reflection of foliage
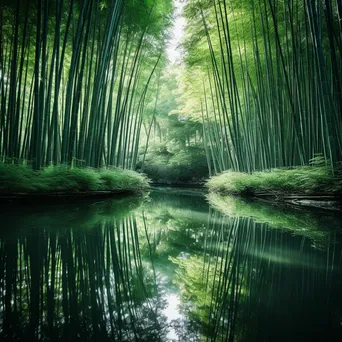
x=195, y=290
x=300, y=222
x=86, y=285
x=104, y=274
x=81, y=215
x=113, y=281
x=171, y=224
x=237, y=288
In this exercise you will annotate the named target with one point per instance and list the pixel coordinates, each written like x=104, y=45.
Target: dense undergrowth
x=21, y=178
x=175, y=165
x=310, y=180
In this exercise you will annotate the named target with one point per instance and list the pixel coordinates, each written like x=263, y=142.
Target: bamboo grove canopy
x=74, y=76
x=261, y=77
x=264, y=77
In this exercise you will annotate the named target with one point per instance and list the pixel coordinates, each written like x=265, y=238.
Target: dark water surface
x=168, y=268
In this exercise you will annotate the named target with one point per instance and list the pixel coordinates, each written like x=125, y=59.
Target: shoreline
x=19, y=183
x=311, y=186
x=324, y=202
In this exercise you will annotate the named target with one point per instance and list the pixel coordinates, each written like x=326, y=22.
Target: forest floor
x=306, y=185
x=21, y=182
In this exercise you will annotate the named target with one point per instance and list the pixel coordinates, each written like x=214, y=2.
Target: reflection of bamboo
x=252, y=266
x=77, y=285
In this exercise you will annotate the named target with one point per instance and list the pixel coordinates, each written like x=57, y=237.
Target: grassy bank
x=20, y=178
x=307, y=180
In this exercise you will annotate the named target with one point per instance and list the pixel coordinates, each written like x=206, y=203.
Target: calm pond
x=169, y=268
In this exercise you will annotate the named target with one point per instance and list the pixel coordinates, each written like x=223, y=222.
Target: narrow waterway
x=168, y=267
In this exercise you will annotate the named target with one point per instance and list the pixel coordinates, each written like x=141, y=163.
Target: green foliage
x=302, y=180
x=20, y=178
x=116, y=178
x=168, y=163
x=154, y=14
x=17, y=178
x=63, y=178
x=174, y=152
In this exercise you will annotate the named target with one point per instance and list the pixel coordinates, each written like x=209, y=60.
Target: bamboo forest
x=171, y=170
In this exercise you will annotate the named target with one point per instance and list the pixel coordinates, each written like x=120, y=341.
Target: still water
x=169, y=268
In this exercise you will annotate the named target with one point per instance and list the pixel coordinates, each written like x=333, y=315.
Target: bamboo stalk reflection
x=167, y=271
x=79, y=286
x=254, y=283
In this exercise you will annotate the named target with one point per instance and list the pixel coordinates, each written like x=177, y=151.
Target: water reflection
x=71, y=285
x=253, y=283
x=169, y=269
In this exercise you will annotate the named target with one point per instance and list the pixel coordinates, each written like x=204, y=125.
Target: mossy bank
x=15, y=179
x=316, y=182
